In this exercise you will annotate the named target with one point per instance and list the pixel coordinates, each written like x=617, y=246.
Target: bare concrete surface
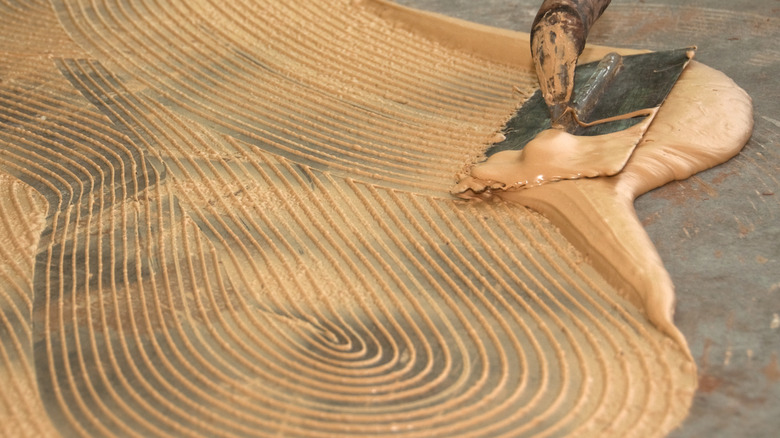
x=718, y=232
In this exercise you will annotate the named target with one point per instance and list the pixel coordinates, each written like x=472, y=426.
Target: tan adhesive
x=249, y=232
x=684, y=138
x=553, y=155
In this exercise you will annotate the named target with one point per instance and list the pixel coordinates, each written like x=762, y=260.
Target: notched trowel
x=584, y=121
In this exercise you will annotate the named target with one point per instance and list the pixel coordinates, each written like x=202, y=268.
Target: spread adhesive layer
x=231, y=218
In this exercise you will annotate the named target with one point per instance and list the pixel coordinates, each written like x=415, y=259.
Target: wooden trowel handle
x=557, y=38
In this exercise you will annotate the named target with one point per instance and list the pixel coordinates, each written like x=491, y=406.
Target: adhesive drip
x=232, y=219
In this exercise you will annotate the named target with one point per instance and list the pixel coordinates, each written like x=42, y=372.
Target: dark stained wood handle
x=558, y=37
x=582, y=13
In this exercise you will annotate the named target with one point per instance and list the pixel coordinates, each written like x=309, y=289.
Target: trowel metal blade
x=636, y=82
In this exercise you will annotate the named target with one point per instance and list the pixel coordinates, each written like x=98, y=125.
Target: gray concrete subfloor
x=718, y=232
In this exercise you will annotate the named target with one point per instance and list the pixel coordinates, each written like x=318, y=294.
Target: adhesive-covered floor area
x=230, y=218
x=717, y=232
